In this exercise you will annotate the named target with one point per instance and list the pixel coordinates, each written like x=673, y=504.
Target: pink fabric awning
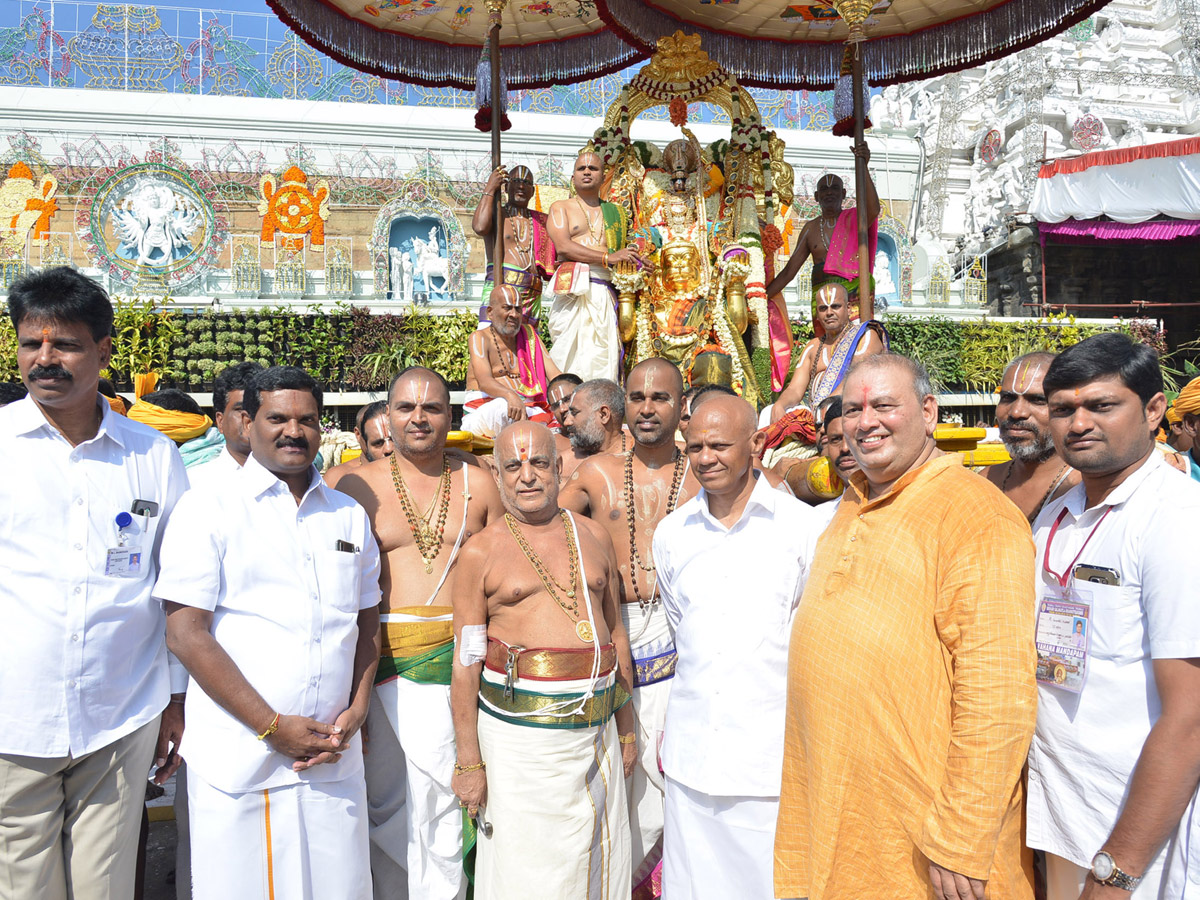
x=1103, y=231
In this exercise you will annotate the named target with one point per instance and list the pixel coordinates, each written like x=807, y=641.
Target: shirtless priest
x=589, y=237
x=628, y=494
x=538, y=753
x=509, y=370
x=424, y=504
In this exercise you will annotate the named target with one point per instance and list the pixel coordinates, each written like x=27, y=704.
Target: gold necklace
x=425, y=536
x=583, y=628
x=635, y=558
x=595, y=238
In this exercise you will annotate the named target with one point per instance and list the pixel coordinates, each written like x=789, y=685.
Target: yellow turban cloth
x=178, y=426
x=1173, y=416
x=1188, y=401
x=115, y=405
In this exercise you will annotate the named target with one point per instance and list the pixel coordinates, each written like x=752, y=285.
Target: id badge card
x=1063, y=636
x=123, y=562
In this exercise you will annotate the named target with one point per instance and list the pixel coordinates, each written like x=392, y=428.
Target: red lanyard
x=1065, y=577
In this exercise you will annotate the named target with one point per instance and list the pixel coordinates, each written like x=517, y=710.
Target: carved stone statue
x=400, y=275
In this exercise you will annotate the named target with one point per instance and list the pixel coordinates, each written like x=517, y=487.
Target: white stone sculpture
x=885, y=286
x=397, y=258
x=156, y=218
x=430, y=263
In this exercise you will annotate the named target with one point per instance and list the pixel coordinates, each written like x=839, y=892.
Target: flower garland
x=679, y=111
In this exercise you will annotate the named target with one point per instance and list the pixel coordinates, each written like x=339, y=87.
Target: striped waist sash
x=422, y=650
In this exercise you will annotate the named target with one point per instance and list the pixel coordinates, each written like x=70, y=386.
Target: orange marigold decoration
x=772, y=240
x=679, y=111
x=291, y=209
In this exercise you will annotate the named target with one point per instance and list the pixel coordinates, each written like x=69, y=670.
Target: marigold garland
x=772, y=240
x=679, y=111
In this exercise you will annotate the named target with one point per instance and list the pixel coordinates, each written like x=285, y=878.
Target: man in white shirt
x=272, y=593
x=83, y=661
x=1115, y=760
x=731, y=562
x=228, y=390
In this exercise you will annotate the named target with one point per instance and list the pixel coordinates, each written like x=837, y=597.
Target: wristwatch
x=1105, y=871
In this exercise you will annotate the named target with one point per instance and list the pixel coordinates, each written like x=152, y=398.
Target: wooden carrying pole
x=494, y=10
x=866, y=296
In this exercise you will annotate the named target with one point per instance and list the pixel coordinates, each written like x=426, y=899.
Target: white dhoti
x=583, y=331
x=556, y=804
x=654, y=665
x=715, y=848
x=492, y=417
x=419, y=716
x=387, y=811
x=305, y=841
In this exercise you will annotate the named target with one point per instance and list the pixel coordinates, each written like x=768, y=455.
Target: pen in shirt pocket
x=345, y=547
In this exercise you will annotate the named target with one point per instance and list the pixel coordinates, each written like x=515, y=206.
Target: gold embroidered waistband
x=404, y=639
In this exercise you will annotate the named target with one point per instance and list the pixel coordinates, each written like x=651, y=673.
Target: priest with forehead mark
x=540, y=685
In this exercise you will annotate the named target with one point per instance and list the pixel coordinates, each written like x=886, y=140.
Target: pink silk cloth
x=842, y=258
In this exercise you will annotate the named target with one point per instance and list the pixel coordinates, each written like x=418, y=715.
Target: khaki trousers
x=69, y=827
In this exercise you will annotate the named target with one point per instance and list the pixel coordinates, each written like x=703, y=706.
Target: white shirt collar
x=28, y=417
x=763, y=496
x=1076, y=500
x=260, y=479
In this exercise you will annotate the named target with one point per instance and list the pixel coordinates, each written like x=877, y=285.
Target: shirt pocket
x=339, y=576
x=1118, y=627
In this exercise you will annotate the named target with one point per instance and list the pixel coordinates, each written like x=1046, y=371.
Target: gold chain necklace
x=635, y=558
x=596, y=238
x=583, y=628
x=427, y=538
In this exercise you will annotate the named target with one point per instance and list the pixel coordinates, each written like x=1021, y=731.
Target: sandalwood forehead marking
x=1024, y=379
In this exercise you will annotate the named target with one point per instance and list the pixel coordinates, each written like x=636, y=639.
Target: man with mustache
x=538, y=756
x=589, y=237
x=1037, y=475
x=628, y=494
x=1187, y=407
x=424, y=503
x=271, y=587
x=90, y=700
x=593, y=424
x=1114, y=765
x=910, y=685
x=731, y=563
x=509, y=371
x=374, y=441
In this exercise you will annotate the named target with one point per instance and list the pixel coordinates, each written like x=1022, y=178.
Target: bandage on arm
x=472, y=644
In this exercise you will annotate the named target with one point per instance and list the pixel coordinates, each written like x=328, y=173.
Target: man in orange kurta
x=911, y=692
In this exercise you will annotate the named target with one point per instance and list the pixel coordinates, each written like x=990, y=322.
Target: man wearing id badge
x=1115, y=760
x=89, y=701
x=271, y=586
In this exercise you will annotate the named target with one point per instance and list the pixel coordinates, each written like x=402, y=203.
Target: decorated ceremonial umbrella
x=795, y=45
x=452, y=44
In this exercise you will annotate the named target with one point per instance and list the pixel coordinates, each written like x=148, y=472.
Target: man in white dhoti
x=589, y=237
x=538, y=756
x=423, y=502
x=628, y=494
x=731, y=563
x=271, y=588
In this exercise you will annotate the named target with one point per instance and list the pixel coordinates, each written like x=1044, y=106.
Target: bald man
x=542, y=719
x=424, y=503
x=589, y=237
x=528, y=250
x=508, y=372
x=732, y=562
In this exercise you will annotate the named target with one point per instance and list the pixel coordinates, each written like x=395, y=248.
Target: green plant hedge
x=348, y=348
